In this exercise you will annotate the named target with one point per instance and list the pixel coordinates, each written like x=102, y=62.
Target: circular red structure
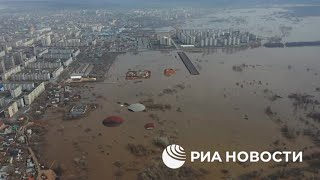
x=112, y=121
x=149, y=126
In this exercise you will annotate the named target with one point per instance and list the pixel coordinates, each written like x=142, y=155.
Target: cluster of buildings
x=71, y=43
x=214, y=37
x=23, y=81
x=165, y=40
x=16, y=95
x=36, y=48
x=29, y=58
x=16, y=162
x=83, y=70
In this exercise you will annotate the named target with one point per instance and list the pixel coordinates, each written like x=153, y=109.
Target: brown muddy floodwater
x=219, y=110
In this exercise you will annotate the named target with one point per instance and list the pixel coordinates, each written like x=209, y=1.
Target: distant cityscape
x=38, y=49
x=214, y=38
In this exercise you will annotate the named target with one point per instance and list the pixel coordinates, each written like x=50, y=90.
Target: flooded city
x=132, y=90
x=220, y=109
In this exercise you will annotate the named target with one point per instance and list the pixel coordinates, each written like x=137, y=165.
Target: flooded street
x=221, y=109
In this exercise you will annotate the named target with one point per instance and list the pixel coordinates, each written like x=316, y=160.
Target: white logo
x=173, y=156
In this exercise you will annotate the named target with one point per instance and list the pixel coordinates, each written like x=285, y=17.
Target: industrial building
x=84, y=69
x=76, y=76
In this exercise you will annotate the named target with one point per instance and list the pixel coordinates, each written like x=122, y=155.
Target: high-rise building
x=238, y=41
x=164, y=40
x=2, y=68
x=34, y=50
x=230, y=41
x=13, y=64
x=193, y=40
x=234, y=40
x=46, y=41
x=2, y=53
x=202, y=42
x=211, y=42
x=215, y=42
x=225, y=42
x=207, y=42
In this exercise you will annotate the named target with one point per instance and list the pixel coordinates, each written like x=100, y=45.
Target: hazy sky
x=168, y=3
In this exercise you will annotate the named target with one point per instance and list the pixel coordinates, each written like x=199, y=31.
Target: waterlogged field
x=243, y=100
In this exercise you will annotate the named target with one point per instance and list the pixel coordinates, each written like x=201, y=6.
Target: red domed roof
x=112, y=121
